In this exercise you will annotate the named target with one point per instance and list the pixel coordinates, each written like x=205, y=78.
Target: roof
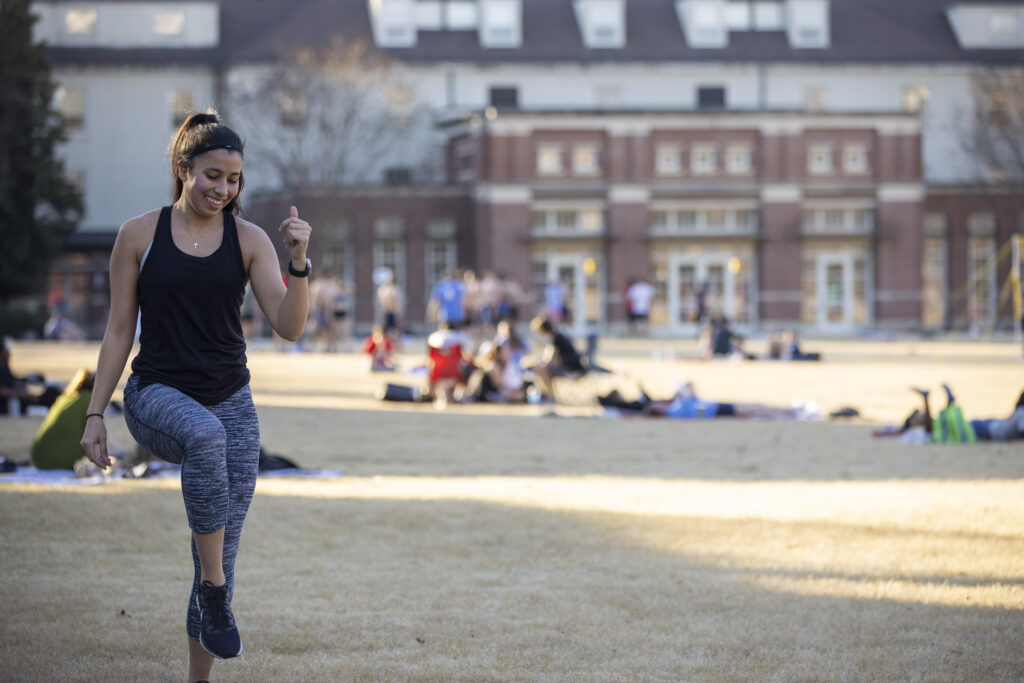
x=862, y=31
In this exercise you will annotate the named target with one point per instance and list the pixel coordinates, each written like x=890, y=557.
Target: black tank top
x=191, y=316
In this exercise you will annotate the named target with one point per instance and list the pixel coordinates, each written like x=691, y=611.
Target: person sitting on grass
x=13, y=387
x=448, y=356
x=559, y=357
x=498, y=377
x=56, y=445
x=380, y=348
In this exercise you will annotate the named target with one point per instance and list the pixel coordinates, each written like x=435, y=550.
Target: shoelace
x=215, y=606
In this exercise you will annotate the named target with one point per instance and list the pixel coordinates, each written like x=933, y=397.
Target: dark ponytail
x=202, y=132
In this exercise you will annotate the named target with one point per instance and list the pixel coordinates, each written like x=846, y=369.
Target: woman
x=185, y=268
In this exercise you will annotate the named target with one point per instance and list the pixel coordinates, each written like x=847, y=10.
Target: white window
x=182, y=105
x=737, y=15
x=704, y=25
x=441, y=258
x=768, y=15
x=584, y=160
x=738, y=160
x=602, y=22
x=591, y=220
x=1004, y=25
x=465, y=159
x=686, y=219
x=461, y=15
x=80, y=21
x=981, y=224
x=169, y=23
x=855, y=159
x=703, y=159
x=394, y=23
x=71, y=105
x=807, y=25
x=549, y=160
x=914, y=98
x=819, y=159
x=499, y=23
x=668, y=160
x=981, y=253
x=815, y=98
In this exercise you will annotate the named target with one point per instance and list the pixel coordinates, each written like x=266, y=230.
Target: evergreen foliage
x=38, y=205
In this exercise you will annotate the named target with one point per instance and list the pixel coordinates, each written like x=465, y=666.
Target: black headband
x=202, y=149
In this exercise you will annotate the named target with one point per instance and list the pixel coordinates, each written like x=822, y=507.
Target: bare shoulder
x=253, y=241
x=136, y=233
x=250, y=234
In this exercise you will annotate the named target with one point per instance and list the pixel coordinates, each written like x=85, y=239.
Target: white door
x=696, y=283
x=581, y=277
x=835, y=292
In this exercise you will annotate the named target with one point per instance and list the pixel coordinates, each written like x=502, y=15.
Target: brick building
x=799, y=160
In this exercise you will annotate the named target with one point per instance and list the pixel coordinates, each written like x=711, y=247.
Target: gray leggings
x=218, y=448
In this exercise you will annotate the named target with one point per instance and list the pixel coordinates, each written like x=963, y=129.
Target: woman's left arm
x=285, y=308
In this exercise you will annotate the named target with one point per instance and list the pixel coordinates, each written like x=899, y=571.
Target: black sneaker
x=217, y=631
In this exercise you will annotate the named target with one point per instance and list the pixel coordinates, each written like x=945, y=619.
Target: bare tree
x=994, y=133
x=338, y=115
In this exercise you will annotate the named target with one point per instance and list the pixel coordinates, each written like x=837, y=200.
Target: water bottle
x=533, y=396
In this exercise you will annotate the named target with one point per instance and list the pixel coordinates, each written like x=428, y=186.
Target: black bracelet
x=99, y=415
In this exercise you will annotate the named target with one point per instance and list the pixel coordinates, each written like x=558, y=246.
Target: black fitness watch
x=300, y=273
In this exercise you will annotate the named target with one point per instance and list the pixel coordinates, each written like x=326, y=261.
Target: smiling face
x=211, y=182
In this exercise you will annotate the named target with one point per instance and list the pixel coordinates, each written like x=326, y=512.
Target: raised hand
x=296, y=236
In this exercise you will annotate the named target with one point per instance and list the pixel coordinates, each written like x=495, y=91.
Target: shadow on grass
x=333, y=589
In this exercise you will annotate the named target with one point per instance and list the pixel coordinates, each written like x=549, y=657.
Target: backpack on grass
x=951, y=427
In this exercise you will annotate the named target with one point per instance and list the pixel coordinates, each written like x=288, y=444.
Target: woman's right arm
x=118, y=338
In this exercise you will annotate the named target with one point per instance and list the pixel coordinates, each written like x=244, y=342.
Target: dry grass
x=491, y=544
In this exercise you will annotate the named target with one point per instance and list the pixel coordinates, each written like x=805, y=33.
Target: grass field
x=489, y=543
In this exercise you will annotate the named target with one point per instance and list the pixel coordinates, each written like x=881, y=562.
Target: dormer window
x=394, y=22
x=80, y=21
x=807, y=23
x=602, y=22
x=768, y=15
x=169, y=23
x=988, y=26
x=703, y=22
x=738, y=15
x=500, y=23
x=461, y=15
x=1003, y=25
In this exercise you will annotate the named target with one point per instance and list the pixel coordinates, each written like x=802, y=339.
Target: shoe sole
x=208, y=650
x=214, y=654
